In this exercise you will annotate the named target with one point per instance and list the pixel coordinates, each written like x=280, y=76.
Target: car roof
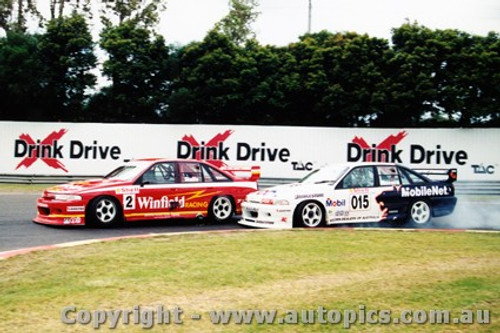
x=356, y=164
x=160, y=159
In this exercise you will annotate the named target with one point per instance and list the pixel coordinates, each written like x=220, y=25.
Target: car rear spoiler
x=451, y=173
x=243, y=172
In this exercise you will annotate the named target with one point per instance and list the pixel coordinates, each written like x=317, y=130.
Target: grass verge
x=275, y=270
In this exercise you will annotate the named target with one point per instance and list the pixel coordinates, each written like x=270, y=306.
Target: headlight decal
x=67, y=197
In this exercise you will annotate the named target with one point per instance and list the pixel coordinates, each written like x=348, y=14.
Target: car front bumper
x=54, y=212
x=266, y=216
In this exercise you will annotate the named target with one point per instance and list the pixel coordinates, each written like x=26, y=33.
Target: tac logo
x=483, y=169
x=385, y=151
x=48, y=150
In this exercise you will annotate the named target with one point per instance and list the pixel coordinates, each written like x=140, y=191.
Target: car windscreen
x=126, y=172
x=324, y=175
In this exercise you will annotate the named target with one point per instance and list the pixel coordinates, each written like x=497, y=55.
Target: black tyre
x=309, y=214
x=420, y=213
x=221, y=209
x=105, y=212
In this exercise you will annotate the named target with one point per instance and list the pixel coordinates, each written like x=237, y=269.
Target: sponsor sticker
x=425, y=191
x=309, y=196
x=72, y=220
x=128, y=190
x=75, y=209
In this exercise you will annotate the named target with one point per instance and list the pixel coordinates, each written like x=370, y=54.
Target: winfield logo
x=48, y=150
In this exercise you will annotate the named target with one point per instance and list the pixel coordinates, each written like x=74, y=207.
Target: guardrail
x=461, y=187
x=41, y=179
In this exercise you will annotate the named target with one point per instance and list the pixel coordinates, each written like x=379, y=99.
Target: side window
x=161, y=173
x=214, y=175
x=359, y=177
x=190, y=172
x=388, y=175
x=405, y=180
x=413, y=177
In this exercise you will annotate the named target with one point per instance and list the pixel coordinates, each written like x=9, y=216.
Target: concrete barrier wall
x=30, y=148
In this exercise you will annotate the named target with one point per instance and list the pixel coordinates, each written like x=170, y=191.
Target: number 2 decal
x=129, y=201
x=360, y=202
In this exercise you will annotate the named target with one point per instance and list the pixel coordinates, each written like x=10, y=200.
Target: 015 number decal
x=360, y=202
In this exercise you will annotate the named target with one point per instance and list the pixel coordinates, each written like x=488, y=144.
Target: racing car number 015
x=360, y=202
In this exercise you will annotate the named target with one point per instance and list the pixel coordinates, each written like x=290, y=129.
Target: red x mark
x=386, y=144
x=214, y=142
x=48, y=141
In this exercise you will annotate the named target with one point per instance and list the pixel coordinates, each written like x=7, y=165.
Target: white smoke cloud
x=472, y=213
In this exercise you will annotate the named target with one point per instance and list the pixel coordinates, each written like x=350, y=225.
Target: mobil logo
x=335, y=203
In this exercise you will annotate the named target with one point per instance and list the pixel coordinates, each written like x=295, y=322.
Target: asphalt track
x=17, y=231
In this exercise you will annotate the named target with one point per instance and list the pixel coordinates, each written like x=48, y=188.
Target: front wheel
x=420, y=213
x=104, y=211
x=221, y=209
x=309, y=214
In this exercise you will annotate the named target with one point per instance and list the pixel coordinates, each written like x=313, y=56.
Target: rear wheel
x=309, y=214
x=221, y=209
x=420, y=213
x=104, y=211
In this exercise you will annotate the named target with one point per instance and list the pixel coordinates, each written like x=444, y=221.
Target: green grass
x=273, y=270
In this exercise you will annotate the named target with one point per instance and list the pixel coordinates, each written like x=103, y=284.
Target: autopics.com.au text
x=147, y=317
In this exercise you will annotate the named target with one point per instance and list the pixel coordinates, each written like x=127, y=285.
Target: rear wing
x=450, y=173
x=245, y=173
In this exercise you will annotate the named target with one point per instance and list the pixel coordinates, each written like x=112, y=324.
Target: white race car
x=352, y=193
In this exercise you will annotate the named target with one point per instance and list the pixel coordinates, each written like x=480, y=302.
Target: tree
x=206, y=89
x=468, y=78
x=237, y=24
x=341, y=79
x=66, y=50
x=140, y=12
x=444, y=77
x=21, y=72
x=15, y=13
x=138, y=67
x=59, y=7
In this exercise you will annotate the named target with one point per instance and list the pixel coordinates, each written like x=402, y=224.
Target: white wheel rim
x=420, y=212
x=222, y=208
x=312, y=215
x=105, y=210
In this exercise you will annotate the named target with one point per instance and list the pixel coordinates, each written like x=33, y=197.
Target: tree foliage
x=236, y=25
x=423, y=77
x=67, y=53
x=140, y=12
x=138, y=67
x=21, y=72
x=14, y=14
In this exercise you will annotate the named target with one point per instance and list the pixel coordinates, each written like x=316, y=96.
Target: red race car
x=149, y=189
